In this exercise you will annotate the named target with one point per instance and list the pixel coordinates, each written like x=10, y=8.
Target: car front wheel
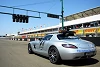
x=30, y=49
x=54, y=56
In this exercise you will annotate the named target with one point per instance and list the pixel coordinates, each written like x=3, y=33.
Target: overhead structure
x=83, y=14
x=25, y=17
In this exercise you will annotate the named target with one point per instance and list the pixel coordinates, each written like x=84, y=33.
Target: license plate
x=89, y=53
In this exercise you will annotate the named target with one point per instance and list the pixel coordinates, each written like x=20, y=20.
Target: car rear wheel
x=54, y=56
x=30, y=49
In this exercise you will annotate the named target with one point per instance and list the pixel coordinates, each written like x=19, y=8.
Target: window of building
x=98, y=23
x=86, y=25
x=72, y=26
x=92, y=24
x=55, y=29
x=78, y=26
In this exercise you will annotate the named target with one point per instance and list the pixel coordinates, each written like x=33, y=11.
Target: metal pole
x=62, y=11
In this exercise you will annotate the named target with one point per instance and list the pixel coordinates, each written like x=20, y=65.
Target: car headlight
x=69, y=46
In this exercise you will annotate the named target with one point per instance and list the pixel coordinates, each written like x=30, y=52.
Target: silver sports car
x=62, y=46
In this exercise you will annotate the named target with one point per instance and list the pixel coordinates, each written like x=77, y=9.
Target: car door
x=44, y=43
x=35, y=45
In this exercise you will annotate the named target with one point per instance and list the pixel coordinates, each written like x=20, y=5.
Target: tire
x=54, y=56
x=30, y=49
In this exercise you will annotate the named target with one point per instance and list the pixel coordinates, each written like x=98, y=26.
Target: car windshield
x=62, y=36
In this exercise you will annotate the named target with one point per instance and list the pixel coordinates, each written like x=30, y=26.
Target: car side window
x=48, y=37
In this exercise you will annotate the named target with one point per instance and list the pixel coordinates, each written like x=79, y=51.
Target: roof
x=82, y=20
x=90, y=12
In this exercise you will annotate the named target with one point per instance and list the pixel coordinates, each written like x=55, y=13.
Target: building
x=86, y=23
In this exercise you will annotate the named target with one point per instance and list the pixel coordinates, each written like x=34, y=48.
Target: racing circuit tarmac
x=15, y=54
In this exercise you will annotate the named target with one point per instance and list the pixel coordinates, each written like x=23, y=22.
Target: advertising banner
x=98, y=30
x=90, y=30
x=78, y=31
x=39, y=35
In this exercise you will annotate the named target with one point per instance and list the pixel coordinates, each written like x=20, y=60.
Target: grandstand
x=86, y=23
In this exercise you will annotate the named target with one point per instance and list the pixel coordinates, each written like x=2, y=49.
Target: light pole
x=62, y=11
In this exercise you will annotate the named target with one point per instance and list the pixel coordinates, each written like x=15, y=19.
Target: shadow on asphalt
x=82, y=62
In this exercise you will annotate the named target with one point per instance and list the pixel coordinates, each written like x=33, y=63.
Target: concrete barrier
x=25, y=39
x=28, y=39
x=18, y=39
x=22, y=39
x=32, y=39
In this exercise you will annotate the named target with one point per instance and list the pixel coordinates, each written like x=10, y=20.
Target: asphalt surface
x=15, y=54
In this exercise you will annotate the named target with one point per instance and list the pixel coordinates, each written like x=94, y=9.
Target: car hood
x=79, y=43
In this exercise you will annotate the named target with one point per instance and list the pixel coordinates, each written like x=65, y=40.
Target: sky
x=7, y=26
